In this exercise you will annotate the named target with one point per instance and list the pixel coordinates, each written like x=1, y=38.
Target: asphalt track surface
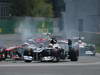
x=87, y=65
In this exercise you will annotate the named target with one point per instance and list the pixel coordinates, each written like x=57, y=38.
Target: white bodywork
x=28, y=58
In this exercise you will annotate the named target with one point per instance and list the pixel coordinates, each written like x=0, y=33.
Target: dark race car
x=52, y=53
x=43, y=51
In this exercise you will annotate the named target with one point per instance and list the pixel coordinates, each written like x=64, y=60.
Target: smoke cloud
x=26, y=28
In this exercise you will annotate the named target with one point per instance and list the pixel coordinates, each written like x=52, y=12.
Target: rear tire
x=74, y=59
x=73, y=55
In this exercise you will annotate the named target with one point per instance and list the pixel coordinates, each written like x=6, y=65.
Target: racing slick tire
x=28, y=61
x=56, y=59
x=74, y=59
x=73, y=55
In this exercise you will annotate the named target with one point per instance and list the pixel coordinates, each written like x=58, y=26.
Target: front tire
x=56, y=59
x=28, y=61
x=74, y=59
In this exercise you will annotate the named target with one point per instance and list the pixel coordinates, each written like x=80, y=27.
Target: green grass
x=98, y=49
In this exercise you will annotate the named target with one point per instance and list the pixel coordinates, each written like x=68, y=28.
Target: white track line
x=48, y=64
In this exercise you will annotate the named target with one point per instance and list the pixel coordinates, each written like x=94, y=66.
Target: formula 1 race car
x=90, y=50
x=14, y=52
x=49, y=53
